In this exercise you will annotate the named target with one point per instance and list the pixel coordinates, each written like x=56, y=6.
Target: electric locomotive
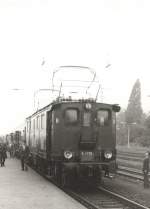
x=73, y=139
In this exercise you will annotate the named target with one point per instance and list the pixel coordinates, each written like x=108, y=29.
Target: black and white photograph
x=74, y=104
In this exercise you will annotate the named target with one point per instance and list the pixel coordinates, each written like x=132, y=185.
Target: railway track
x=130, y=156
x=93, y=199
x=98, y=197
x=130, y=153
x=130, y=172
x=130, y=164
x=128, y=203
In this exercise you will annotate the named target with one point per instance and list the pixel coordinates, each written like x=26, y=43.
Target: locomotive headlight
x=68, y=154
x=108, y=154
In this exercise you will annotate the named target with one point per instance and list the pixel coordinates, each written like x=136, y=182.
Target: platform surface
x=28, y=190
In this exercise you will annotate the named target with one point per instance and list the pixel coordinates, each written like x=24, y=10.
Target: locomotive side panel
x=43, y=131
x=36, y=134
x=32, y=136
x=40, y=134
x=28, y=127
x=55, y=135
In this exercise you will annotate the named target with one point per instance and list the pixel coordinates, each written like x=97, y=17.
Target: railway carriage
x=73, y=139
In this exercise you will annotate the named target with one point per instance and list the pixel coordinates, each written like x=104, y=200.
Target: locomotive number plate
x=87, y=156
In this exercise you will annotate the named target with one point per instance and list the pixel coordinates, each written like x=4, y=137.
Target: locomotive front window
x=103, y=117
x=71, y=116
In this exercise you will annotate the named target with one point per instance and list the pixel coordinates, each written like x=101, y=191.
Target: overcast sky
x=91, y=33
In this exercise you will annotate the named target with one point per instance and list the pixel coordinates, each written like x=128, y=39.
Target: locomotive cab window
x=42, y=121
x=103, y=117
x=27, y=126
x=37, y=122
x=71, y=116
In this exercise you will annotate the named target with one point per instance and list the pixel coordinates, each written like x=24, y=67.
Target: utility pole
x=128, y=128
x=128, y=131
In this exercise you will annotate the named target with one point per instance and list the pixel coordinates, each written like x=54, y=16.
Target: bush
x=143, y=140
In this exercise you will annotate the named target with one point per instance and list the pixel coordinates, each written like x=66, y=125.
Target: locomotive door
x=87, y=139
x=48, y=133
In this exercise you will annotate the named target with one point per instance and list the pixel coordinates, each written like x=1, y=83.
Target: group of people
x=12, y=150
x=22, y=150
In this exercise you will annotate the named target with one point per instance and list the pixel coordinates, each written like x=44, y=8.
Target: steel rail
x=80, y=199
x=131, y=173
x=88, y=204
x=121, y=198
x=72, y=194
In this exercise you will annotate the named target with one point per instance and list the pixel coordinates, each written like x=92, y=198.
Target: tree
x=121, y=116
x=147, y=122
x=134, y=112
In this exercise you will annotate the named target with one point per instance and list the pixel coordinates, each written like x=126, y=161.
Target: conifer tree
x=134, y=110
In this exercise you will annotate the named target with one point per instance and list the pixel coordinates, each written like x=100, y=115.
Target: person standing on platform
x=146, y=170
x=3, y=154
x=24, y=155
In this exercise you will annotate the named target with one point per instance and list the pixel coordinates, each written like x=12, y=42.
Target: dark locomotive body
x=73, y=139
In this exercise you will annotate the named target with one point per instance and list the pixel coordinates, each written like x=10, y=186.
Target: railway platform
x=28, y=190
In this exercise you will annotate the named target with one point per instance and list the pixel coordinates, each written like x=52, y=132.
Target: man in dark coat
x=3, y=154
x=24, y=155
x=146, y=170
